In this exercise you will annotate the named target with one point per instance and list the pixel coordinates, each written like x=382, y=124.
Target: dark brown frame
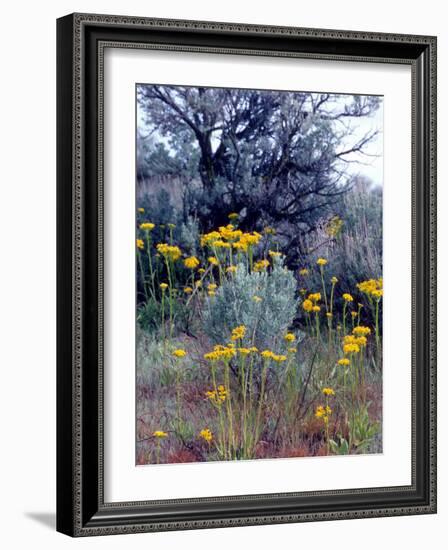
x=81, y=39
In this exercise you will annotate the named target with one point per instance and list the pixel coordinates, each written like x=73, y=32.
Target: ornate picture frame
x=81, y=43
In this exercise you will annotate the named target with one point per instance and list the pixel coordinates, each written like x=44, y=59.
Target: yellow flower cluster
x=147, y=226
x=246, y=351
x=315, y=297
x=269, y=231
x=290, y=337
x=261, y=265
x=233, y=216
x=221, y=352
x=217, y=396
x=334, y=226
x=268, y=354
x=328, y=391
x=321, y=261
x=179, y=353
x=372, y=287
x=206, y=435
x=238, y=333
x=163, y=286
x=228, y=236
x=361, y=331
x=191, y=262
x=323, y=412
x=159, y=434
x=344, y=362
x=274, y=254
x=140, y=244
x=213, y=260
x=303, y=272
x=307, y=305
x=347, y=297
x=350, y=348
x=188, y=290
x=171, y=252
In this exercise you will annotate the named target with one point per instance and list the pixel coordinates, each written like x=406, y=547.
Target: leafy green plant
x=340, y=447
x=362, y=429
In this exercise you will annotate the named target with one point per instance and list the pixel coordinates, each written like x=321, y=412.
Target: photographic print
x=259, y=281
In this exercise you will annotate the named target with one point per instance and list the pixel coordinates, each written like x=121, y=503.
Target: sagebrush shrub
x=265, y=303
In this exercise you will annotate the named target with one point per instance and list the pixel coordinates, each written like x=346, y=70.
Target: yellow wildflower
x=304, y=271
x=307, y=305
x=261, y=265
x=147, y=226
x=354, y=314
x=292, y=350
x=141, y=210
x=240, y=245
x=378, y=293
x=290, y=337
x=334, y=280
x=220, y=244
x=201, y=270
x=257, y=299
x=171, y=252
x=229, y=233
x=191, y=262
x=188, y=290
x=163, y=286
x=179, y=353
x=279, y=358
x=323, y=412
x=238, y=333
x=140, y=244
x=350, y=348
x=315, y=297
x=159, y=434
x=269, y=230
x=231, y=269
x=329, y=314
x=370, y=286
x=316, y=309
x=217, y=396
x=212, y=286
x=274, y=254
x=347, y=297
x=267, y=354
x=211, y=293
x=209, y=237
x=344, y=362
x=361, y=341
x=213, y=260
x=361, y=331
x=198, y=283
x=321, y=261
x=220, y=352
x=328, y=391
x=206, y=435
x=233, y=216
x=334, y=226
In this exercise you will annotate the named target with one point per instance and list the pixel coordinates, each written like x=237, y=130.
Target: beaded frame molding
x=81, y=40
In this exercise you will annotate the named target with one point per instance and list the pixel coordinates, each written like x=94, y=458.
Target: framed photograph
x=246, y=274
